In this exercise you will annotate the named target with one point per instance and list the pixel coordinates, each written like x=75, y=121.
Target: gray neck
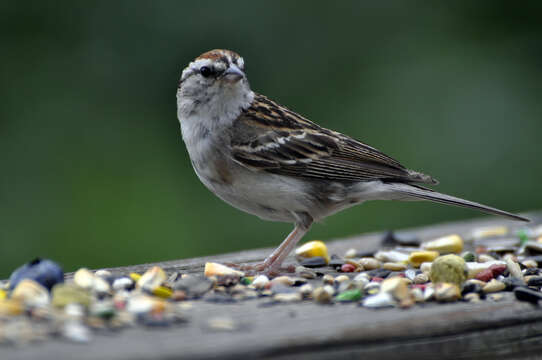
x=209, y=111
x=214, y=103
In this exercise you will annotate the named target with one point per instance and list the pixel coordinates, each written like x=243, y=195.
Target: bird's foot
x=262, y=268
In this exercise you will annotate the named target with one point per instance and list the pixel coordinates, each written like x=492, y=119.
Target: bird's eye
x=205, y=71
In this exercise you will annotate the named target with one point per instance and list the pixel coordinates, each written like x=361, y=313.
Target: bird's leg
x=277, y=257
x=272, y=264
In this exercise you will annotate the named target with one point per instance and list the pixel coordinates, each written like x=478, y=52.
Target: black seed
x=381, y=273
x=336, y=261
x=473, y=288
x=537, y=258
x=313, y=262
x=524, y=294
x=531, y=271
x=512, y=283
x=194, y=286
x=391, y=239
x=535, y=281
x=367, y=253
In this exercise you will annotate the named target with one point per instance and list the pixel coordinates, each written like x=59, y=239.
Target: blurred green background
x=93, y=169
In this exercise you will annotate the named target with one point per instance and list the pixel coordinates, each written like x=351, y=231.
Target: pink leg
x=277, y=257
x=272, y=264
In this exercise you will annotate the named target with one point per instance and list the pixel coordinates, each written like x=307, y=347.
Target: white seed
x=122, y=283
x=493, y=231
x=328, y=279
x=260, y=281
x=428, y=293
x=394, y=266
x=494, y=286
x=379, y=300
x=31, y=293
x=417, y=294
x=445, y=245
x=472, y=297
x=215, y=269
x=370, y=263
x=283, y=280
x=306, y=290
x=483, y=258
x=287, y=297
x=305, y=272
x=397, y=287
x=496, y=297
x=341, y=278
x=350, y=253
x=426, y=267
x=421, y=278
x=76, y=331
x=103, y=273
x=410, y=274
x=514, y=269
x=391, y=256
x=83, y=278
x=447, y=292
x=530, y=264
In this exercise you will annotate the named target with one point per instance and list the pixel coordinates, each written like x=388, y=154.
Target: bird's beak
x=233, y=74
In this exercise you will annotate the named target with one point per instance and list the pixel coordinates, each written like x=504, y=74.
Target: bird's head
x=214, y=83
x=214, y=70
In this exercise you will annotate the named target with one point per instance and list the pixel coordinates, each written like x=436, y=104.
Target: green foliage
x=93, y=169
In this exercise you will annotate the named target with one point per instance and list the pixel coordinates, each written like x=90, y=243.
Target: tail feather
x=422, y=193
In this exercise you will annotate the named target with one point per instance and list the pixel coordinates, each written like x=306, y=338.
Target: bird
x=269, y=161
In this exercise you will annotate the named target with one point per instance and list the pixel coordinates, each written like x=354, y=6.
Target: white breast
x=206, y=130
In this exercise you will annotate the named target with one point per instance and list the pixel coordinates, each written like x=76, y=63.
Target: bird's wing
x=269, y=137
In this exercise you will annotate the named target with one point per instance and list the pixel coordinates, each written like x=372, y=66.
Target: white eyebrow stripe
x=194, y=67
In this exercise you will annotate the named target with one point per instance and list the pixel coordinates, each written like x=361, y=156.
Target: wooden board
x=504, y=329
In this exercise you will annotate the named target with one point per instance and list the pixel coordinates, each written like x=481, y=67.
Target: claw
x=262, y=269
x=272, y=266
x=247, y=267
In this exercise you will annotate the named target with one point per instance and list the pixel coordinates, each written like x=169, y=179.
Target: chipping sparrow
x=265, y=159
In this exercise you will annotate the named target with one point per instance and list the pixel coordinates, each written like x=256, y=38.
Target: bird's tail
x=416, y=192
